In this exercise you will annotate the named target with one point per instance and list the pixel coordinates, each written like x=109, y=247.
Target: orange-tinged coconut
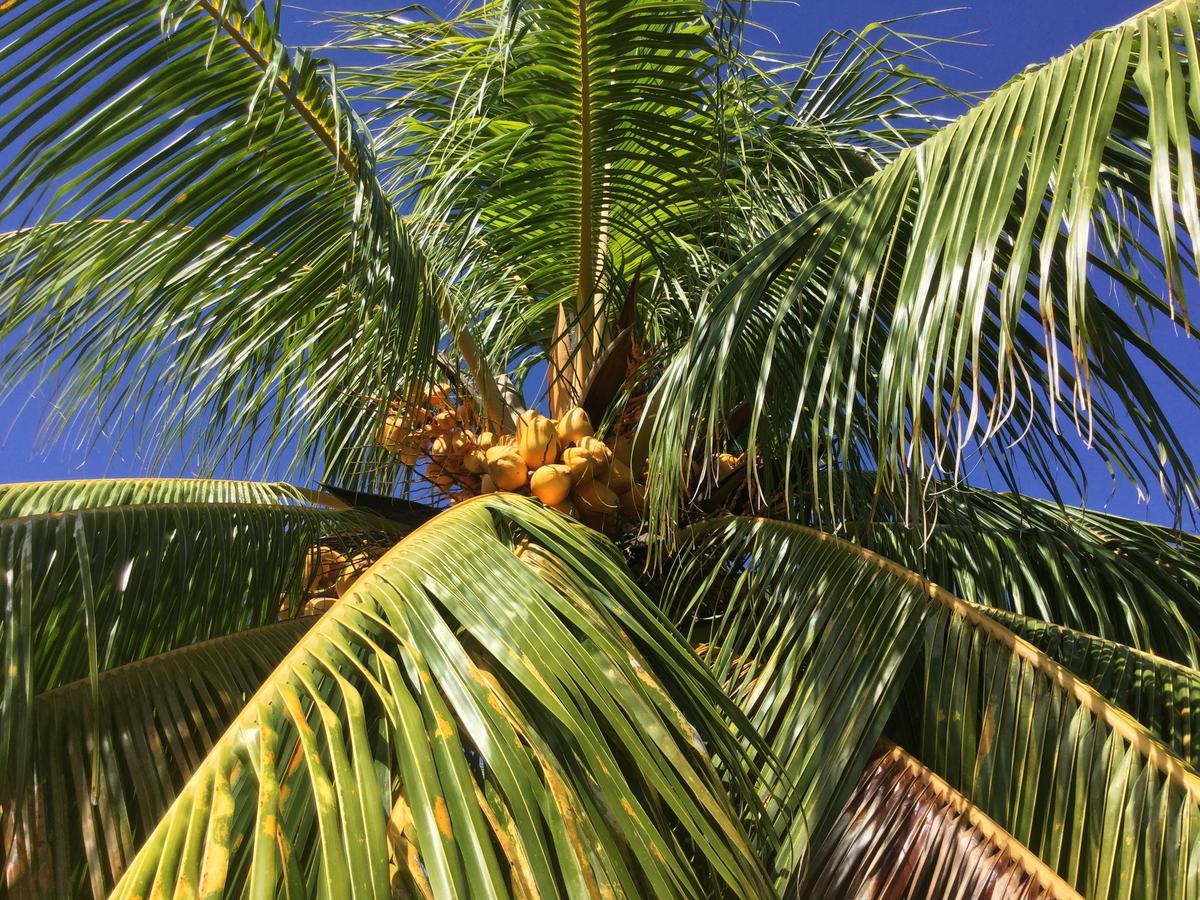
x=440, y=448
x=599, y=450
x=567, y=508
x=726, y=463
x=574, y=425
x=581, y=463
x=537, y=440
x=485, y=440
x=487, y=485
x=551, y=484
x=322, y=568
x=475, y=462
x=507, y=468
x=595, y=498
x=619, y=478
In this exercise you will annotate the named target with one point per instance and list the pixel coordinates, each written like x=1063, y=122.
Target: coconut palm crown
x=637, y=378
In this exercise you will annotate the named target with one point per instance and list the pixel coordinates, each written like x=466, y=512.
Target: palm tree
x=797, y=305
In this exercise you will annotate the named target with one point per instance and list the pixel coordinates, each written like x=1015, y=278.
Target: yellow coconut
x=567, y=508
x=726, y=463
x=599, y=450
x=507, y=468
x=574, y=425
x=551, y=484
x=439, y=397
x=475, y=462
x=581, y=463
x=460, y=442
x=317, y=605
x=537, y=440
x=440, y=448
x=358, y=564
x=619, y=478
x=392, y=434
x=485, y=440
x=322, y=568
x=594, y=498
x=487, y=485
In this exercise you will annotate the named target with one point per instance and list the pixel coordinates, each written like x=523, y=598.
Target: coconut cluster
x=328, y=574
x=560, y=462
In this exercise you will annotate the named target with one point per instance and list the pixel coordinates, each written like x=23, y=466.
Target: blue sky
x=1004, y=38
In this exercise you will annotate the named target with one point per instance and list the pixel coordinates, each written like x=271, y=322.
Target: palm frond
x=896, y=326
x=1162, y=695
x=154, y=722
x=905, y=832
x=36, y=498
x=789, y=612
x=228, y=265
x=89, y=589
x=1128, y=581
x=459, y=725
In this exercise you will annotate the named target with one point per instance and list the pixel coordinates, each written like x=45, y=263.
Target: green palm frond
x=459, y=725
x=229, y=262
x=155, y=721
x=905, y=832
x=788, y=612
x=1161, y=694
x=35, y=498
x=93, y=588
x=896, y=326
x=1128, y=581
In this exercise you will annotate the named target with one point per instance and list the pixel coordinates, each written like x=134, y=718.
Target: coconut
x=475, y=462
x=322, y=568
x=537, y=440
x=485, y=440
x=726, y=463
x=487, y=485
x=594, y=498
x=633, y=501
x=574, y=425
x=599, y=450
x=620, y=479
x=551, y=484
x=581, y=463
x=507, y=468
x=440, y=448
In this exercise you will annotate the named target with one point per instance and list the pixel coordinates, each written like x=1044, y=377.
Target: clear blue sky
x=1008, y=36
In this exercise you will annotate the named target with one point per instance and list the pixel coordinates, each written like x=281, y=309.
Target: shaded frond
x=1161, y=694
x=1128, y=581
x=906, y=832
x=155, y=721
x=815, y=635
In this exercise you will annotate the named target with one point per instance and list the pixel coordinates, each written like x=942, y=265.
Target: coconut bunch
x=328, y=574
x=434, y=434
x=563, y=464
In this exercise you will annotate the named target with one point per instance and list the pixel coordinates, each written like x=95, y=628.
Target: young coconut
x=633, y=502
x=440, y=448
x=581, y=464
x=594, y=498
x=574, y=425
x=485, y=440
x=537, y=440
x=475, y=461
x=726, y=463
x=507, y=468
x=322, y=568
x=551, y=484
x=620, y=479
x=487, y=485
x=599, y=450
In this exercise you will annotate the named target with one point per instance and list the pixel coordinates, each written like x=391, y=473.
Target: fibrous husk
x=475, y=461
x=551, y=484
x=593, y=497
x=599, y=450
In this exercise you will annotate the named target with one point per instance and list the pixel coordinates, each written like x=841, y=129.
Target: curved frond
x=1161, y=694
x=154, y=721
x=89, y=589
x=231, y=264
x=895, y=327
x=905, y=832
x=789, y=612
x=1128, y=581
x=35, y=498
x=457, y=725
